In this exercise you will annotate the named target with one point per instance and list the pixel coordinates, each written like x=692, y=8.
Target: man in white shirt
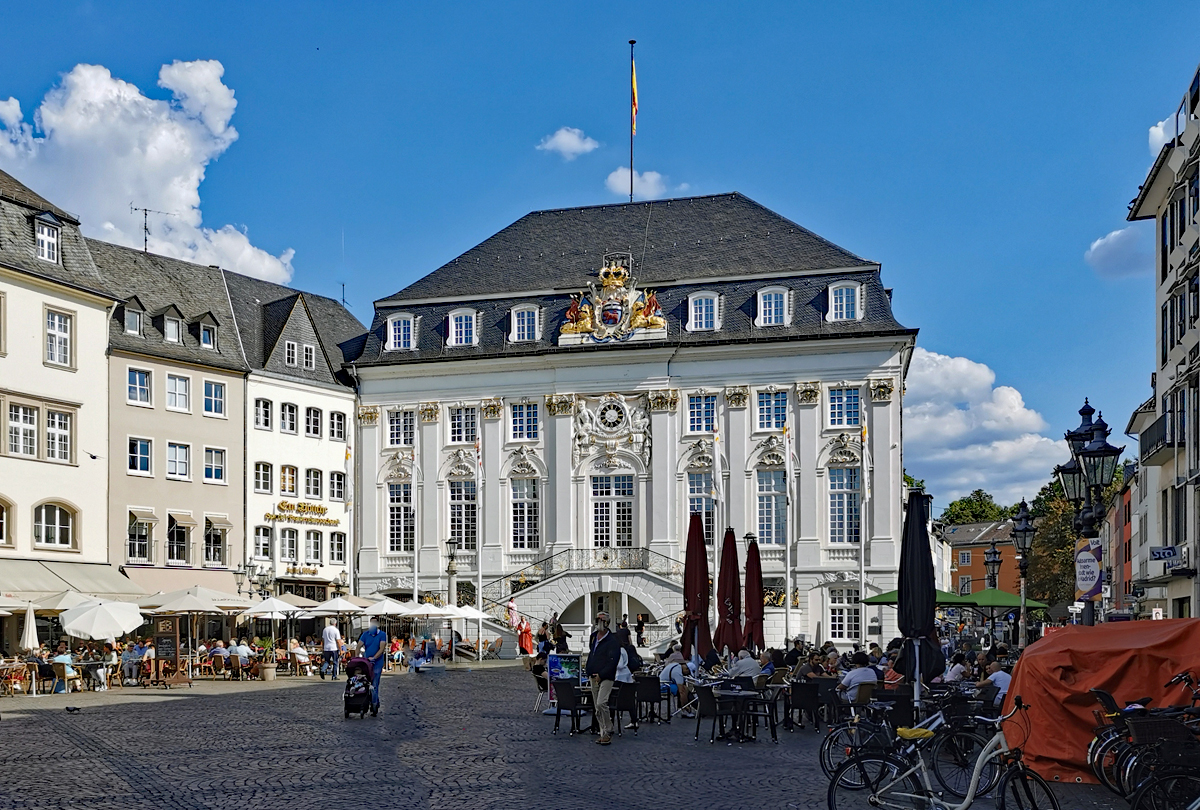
x=862, y=673
x=744, y=666
x=331, y=640
x=1000, y=678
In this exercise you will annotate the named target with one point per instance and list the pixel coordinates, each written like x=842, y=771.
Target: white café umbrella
x=4, y=613
x=432, y=611
x=270, y=608
x=386, y=607
x=29, y=637
x=225, y=601
x=101, y=620
x=335, y=606
x=53, y=605
x=190, y=605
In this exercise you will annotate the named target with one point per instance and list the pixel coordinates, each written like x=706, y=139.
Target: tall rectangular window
x=58, y=436
x=289, y=545
x=337, y=426
x=463, y=514
x=526, y=326
x=844, y=613
x=525, y=421
x=337, y=547
x=772, y=506
x=704, y=312
x=287, y=480
x=964, y=584
x=214, y=544
x=262, y=414
x=402, y=428
x=843, y=407
x=702, y=413
x=262, y=477
x=262, y=543
x=22, y=430
x=287, y=417
x=208, y=337
x=772, y=309
x=172, y=330
x=402, y=520
x=845, y=303
x=310, y=357
x=312, y=546
x=214, y=398
x=845, y=520
x=139, y=386
x=178, y=460
x=47, y=242
x=289, y=353
x=214, y=465
x=462, y=425
x=312, y=422
x=139, y=455
x=58, y=338
x=337, y=486
x=612, y=511
x=312, y=484
x=525, y=513
x=700, y=501
x=138, y=540
x=178, y=393
x=402, y=333
x=177, y=542
x=772, y=410
x=464, y=329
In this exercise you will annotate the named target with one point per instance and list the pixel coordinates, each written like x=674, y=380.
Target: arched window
x=462, y=328
x=525, y=522
x=845, y=301
x=845, y=507
x=6, y=528
x=773, y=307
x=525, y=325
x=54, y=526
x=704, y=312
x=401, y=332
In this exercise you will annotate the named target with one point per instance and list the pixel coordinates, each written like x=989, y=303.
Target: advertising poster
x=563, y=666
x=1088, y=582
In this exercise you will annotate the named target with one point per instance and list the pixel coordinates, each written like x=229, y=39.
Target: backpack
x=633, y=659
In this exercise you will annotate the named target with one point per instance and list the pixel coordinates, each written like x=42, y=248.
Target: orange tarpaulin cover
x=1129, y=659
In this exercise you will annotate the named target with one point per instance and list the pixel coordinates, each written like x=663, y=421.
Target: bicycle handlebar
x=1018, y=705
x=1182, y=677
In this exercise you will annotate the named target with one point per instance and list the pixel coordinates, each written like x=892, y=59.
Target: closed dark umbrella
x=753, y=631
x=917, y=597
x=729, y=598
x=695, y=592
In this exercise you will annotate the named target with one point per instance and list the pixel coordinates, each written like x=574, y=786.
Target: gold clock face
x=611, y=416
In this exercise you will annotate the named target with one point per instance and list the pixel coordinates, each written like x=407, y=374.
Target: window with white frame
x=262, y=543
x=58, y=338
x=772, y=506
x=525, y=533
x=139, y=387
x=463, y=515
x=337, y=486
x=179, y=393
x=22, y=430
x=178, y=460
x=845, y=613
x=964, y=558
x=312, y=484
x=214, y=398
x=402, y=520
x=172, y=330
x=214, y=466
x=337, y=547
x=702, y=413
x=844, y=304
x=6, y=538
x=289, y=352
x=337, y=426
x=462, y=425
x=310, y=356
x=208, y=336
x=772, y=410
x=262, y=414
x=137, y=548
x=402, y=428
x=47, y=242
x=700, y=501
x=525, y=421
x=312, y=546
x=139, y=456
x=287, y=480
x=58, y=436
x=214, y=544
x=844, y=407
x=401, y=333
x=178, y=540
x=53, y=525
x=133, y=322
x=612, y=511
x=704, y=312
x=262, y=477
x=524, y=325
x=845, y=518
x=312, y=422
x=461, y=330
x=289, y=545
x=287, y=418
x=772, y=307
x=964, y=584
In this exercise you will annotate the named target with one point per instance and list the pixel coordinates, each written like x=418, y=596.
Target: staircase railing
x=582, y=559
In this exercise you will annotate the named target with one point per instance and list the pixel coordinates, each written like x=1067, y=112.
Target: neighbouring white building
x=557, y=401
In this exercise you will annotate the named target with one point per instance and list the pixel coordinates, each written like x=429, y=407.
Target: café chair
x=218, y=666
x=622, y=701
x=494, y=650
x=803, y=698
x=235, y=668
x=652, y=694
x=707, y=705
x=566, y=698
x=60, y=674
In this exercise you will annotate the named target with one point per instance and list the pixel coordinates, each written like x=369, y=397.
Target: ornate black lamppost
x=1022, y=537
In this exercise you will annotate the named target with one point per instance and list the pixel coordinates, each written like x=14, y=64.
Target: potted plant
x=266, y=660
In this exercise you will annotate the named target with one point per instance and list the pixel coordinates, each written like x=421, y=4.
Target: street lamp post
x=1022, y=536
x=991, y=564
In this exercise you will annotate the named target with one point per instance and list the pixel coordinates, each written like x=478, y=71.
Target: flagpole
x=632, y=112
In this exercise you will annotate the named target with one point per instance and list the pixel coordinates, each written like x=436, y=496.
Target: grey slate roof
x=688, y=238
x=158, y=282
x=18, y=246
x=727, y=237
x=979, y=534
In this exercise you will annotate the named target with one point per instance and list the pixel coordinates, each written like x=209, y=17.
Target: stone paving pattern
x=450, y=739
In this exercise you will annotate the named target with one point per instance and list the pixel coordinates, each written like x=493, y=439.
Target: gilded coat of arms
x=613, y=310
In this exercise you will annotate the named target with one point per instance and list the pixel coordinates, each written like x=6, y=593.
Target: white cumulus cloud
x=962, y=432
x=569, y=142
x=646, y=185
x=1124, y=252
x=97, y=144
x=1160, y=133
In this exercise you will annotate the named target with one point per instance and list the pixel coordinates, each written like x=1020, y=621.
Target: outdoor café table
x=740, y=698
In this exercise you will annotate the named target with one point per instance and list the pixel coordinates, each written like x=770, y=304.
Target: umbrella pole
x=917, y=672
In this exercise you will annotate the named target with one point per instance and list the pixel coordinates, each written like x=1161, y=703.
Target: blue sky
x=975, y=151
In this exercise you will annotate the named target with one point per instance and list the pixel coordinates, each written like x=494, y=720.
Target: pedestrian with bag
x=603, y=659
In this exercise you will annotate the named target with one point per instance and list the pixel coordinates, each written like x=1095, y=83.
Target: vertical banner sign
x=1088, y=585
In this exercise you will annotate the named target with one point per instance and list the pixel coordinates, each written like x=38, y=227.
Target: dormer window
x=47, y=240
x=310, y=357
x=289, y=353
x=208, y=336
x=133, y=322
x=704, y=312
x=525, y=327
x=172, y=329
x=845, y=302
x=773, y=309
x=402, y=333
x=462, y=331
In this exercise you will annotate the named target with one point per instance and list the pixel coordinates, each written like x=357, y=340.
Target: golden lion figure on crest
x=578, y=317
x=647, y=314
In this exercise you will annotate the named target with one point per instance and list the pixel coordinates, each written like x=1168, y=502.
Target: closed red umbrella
x=753, y=631
x=695, y=592
x=729, y=598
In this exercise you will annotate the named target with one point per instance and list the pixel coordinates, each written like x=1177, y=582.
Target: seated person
x=130, y=661
x=301, y=655
x=62, y=656
x=891, y=675
x=219, y=649
x=861, y=673
x=242, y=651
x=997, y=675
x=674, y=676
x=956, y=670
x=744, y=666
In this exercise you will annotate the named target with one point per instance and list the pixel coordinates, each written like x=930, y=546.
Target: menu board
x=563, y=666
x=166, y=639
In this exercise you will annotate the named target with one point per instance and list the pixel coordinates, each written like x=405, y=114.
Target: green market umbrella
x=943, y=598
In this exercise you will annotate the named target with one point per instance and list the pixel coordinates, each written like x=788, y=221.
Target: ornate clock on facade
x=611, y=416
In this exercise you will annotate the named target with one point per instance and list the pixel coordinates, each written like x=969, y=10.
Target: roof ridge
x=637, y=202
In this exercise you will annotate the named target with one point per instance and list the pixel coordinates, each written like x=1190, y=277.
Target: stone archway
x=661, y=596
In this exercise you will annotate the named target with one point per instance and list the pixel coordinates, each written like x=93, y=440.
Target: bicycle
x=898, y=782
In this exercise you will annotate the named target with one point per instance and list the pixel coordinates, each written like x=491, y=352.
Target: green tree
x=913, y=483
x=978, y=507
x=1052, y=560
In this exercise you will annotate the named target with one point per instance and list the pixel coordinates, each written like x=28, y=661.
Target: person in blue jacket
x=372, y=645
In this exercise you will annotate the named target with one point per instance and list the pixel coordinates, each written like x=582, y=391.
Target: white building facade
x=560, y=425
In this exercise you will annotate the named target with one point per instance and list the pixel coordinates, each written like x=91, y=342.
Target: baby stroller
x=357, y=697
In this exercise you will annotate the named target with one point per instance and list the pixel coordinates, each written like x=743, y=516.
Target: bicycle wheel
x=953, y=758
x=848, y=740
x=1169, y=792
x=875, y=781
x=1106, y=763
x=1022, y=789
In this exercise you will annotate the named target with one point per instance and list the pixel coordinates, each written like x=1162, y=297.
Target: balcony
x=1157, y=443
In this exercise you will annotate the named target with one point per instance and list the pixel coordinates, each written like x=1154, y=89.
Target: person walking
x=641, y=629
x=513, y=616
x=331, y=640
x=602, y=671
x=372, y=645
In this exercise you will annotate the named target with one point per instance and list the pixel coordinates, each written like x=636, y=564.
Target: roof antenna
x=344, y=306
x=146, y=212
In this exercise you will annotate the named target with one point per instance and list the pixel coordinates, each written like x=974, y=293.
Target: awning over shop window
x=37, y=579
x=220, y=523
x=143, y=516
x=182, y=519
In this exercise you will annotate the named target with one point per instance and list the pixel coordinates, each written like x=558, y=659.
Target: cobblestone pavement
x=458, y=739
